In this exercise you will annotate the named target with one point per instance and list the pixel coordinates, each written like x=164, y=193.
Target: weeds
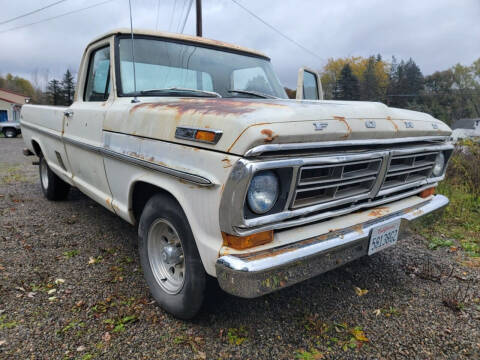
x=460, y=222
x=334, y=334
x=236, y=336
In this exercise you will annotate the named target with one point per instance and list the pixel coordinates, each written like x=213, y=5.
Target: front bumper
x=255, y=274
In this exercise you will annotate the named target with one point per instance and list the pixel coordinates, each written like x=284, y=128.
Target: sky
x=437, y=34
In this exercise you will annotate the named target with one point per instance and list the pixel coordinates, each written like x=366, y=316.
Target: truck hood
x=246, y=123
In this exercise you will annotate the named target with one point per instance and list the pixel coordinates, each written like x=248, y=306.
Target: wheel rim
x=10, y=133
x=165, y=253
x=44, y=173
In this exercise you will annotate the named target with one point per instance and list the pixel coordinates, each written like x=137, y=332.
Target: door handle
x=68, y=113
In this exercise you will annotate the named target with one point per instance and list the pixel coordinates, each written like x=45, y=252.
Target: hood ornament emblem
x=370, y=124
x=319, y=126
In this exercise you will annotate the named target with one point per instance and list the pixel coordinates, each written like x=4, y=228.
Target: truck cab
x=195, y=142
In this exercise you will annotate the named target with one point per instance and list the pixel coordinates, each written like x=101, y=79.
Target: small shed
x=10, y=104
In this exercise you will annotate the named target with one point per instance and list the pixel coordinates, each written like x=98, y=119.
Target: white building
x=466, y=129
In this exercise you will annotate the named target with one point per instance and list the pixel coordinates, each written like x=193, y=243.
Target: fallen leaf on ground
x=81, y=348
x=3, y=342
x=1, y=268
x=360, y=292
x=52, y=298
x=359, y=335
x=91, y=260
x=51, y=291
x=59, y=281
x=31, y=294
x=19, y=288
x=377, y=312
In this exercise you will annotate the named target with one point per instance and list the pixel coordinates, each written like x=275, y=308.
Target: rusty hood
x=246, y=123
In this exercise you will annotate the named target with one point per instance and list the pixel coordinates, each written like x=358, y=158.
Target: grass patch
x=6, y=324
x=459, y=224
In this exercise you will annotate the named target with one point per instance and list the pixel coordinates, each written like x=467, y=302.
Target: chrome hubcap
x=44, y=173
x=165, y=253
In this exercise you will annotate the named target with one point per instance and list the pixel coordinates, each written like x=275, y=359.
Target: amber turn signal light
x=426, y=193
x=245, y=242
x=208, y=136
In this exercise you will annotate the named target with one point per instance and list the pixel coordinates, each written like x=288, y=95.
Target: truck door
x=84, y=124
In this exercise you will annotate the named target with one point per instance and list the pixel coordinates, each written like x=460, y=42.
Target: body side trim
x=196, y=179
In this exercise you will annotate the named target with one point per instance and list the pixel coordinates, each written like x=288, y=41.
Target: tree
x=370, y=89
x=330, y=73
x=54, y=91
x=348, y=85
x=68, y=87
x=17, y=84
x=406, y=82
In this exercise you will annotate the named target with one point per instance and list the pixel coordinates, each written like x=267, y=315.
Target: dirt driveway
x=71, y=287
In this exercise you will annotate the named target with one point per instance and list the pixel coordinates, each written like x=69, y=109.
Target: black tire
x=10, y=132
x=52, y=186
x=188, y=299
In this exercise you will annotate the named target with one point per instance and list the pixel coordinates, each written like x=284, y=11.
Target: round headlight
x=439, y=165
x=263, y=192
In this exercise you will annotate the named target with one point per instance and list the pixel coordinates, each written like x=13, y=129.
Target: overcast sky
x=435, y=33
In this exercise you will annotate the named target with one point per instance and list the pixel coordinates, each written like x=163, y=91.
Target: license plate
x=383, y=236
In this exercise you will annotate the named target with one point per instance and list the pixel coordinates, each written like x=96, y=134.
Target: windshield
x=162, y=64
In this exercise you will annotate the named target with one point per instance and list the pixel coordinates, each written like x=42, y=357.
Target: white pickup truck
x=195, y=142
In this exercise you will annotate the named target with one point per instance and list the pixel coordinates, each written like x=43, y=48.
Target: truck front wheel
x=169, y=256
x=53, y=187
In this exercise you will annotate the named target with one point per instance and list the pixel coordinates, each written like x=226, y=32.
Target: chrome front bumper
x=255, y=274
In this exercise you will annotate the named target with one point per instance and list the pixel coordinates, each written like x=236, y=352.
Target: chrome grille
x=411, y=168
x=328, y=182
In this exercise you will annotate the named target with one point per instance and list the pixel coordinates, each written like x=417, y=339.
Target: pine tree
x=54, y=92
x=348, y=86
x=370, y=88
x=68, y=87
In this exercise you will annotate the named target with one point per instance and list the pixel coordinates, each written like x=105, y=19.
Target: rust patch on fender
x=243, y=131
x=218, y=107
x=226, y=163
x=269, y=136
x=349, y=129
x=378, y=212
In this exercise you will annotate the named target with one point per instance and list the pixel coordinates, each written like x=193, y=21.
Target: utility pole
x=199, y=17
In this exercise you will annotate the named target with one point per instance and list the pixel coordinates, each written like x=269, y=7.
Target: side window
x=310, y=89
x=98, y=78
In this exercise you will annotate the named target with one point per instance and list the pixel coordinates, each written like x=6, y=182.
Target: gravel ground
x=71, y=287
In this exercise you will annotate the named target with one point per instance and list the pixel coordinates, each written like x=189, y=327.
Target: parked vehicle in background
x=196, y=143
x=10, y=129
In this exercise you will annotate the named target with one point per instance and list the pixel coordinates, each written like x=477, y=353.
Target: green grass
x=458, y=226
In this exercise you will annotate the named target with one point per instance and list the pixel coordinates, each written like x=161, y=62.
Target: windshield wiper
x=175, y=91
x=254, y=93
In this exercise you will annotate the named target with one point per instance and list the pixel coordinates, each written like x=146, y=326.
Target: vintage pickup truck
x=195, y=142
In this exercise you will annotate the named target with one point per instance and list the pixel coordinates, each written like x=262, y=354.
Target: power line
x=171, y=18
x=186, y=16
x=277, y=31
x=57, y=16
x=181, y=15
x=32, y=12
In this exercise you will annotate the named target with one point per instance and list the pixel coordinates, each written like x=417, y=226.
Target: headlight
x=263, y=192
x=439, y=165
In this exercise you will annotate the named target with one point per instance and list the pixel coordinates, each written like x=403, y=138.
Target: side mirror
x=309, y=85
